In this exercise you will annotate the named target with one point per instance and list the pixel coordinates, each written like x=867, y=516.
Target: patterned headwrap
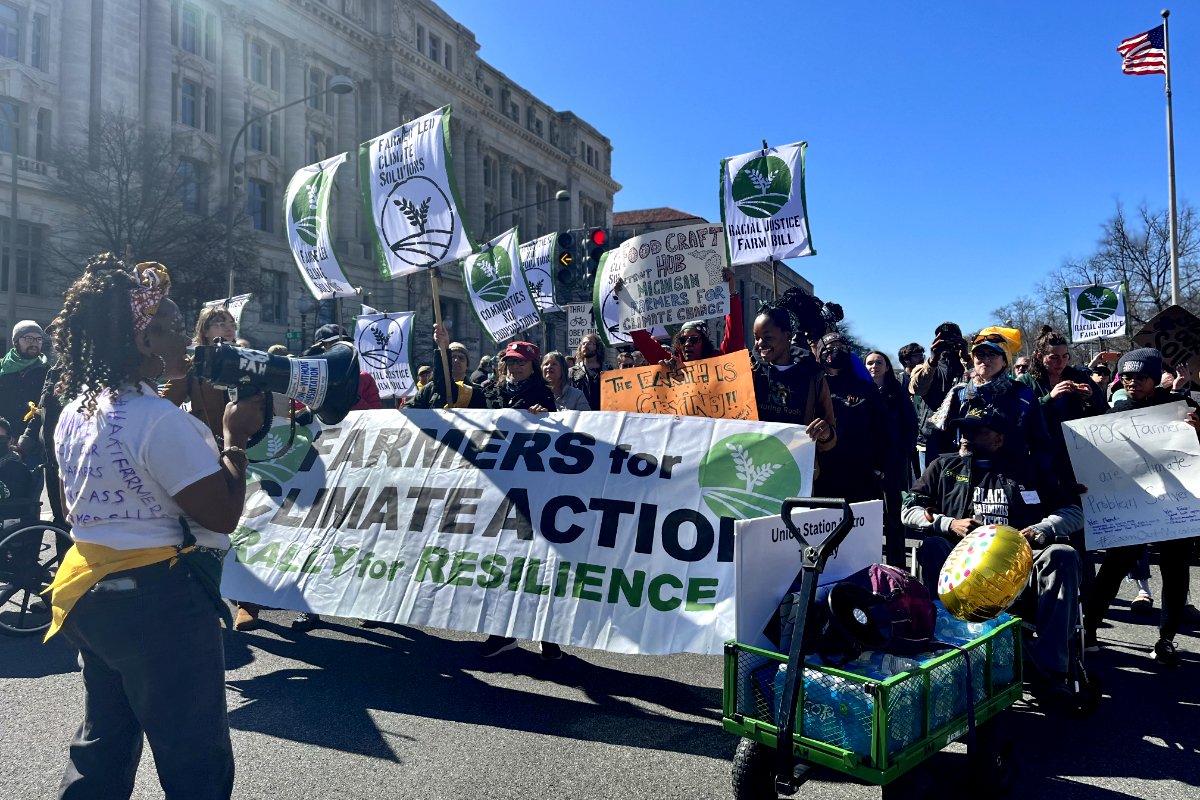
x=154, y=283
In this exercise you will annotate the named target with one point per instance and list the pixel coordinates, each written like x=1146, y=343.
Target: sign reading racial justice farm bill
x=496, y=284
x=384, y=349
x=307, y=224
x=1097, y=311
x=721, y=386
x=604, y=530
x=763, y=205
x=669, y=277
x=1142, y=471
x=408, y=192
x=537, y=262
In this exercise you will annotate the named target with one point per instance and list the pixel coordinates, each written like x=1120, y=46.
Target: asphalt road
x=407, y=712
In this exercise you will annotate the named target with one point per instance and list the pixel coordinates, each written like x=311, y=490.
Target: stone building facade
x=201, y=68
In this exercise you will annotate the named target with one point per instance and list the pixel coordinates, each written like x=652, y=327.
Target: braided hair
x=93, y=334
x=1046, y=339
x=803, y=314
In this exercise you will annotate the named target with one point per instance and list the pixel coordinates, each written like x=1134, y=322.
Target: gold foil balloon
x=985, y=573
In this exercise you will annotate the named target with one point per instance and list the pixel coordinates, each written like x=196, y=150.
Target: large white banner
x=234, y=305
x=408, y=192
x=580, y=322
x=1097, y=311
x=669, y=277
x=496, y=285
x=1142, y=471
x=606, y=305
x=537, y=262
x=596, y=529
x=767, y=559
x=384, y=349
x=307, y=225
x=763, y=206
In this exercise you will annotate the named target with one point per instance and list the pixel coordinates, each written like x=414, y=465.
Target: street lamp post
x=562, y=196
x=338, y=84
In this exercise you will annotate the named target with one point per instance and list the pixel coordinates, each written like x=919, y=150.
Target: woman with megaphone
x=151, y=500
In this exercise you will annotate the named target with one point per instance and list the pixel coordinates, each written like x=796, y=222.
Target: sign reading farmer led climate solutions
x=384, y=342
x=307, y=225
x=604, y=530
x=408, y=192
x=762, y=205
x=669, y=277
x=1097, y=311
x=1142, y=471
x=496, y=284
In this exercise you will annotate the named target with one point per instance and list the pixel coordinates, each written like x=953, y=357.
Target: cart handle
x=822, y=552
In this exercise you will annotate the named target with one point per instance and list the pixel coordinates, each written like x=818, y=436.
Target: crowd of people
x=969, y=435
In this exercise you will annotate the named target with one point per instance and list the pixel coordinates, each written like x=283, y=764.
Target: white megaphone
x=327, y=383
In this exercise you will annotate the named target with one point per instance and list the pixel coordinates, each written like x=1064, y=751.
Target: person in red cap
x=523, y=385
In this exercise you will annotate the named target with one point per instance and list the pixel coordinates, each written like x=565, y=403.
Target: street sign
x=293, y=335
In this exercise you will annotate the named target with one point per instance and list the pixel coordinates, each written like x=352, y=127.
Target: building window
x=537, y=127
x=421, y=38
x=10, y=123
x=10, y=32
x=39, y=54
x=191, y=186
x=448, y=59
x=517, y=193
x=435, y=48
x=487, y=90
x=264, y=133
x=189, y=103
x=210, y=110
x=316, y=84
x=258, y=62
x=274, y=306
x=487, y=170
x=28, y=257
x=42, y=144
x=259, y=205
x=514, y=112
x=275, y=68
x=210, y=36
x=189, y=30
x=318, y=147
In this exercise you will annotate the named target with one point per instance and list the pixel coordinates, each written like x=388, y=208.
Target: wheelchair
x=31, y=550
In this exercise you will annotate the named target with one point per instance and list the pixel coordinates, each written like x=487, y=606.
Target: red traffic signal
x=597, y=237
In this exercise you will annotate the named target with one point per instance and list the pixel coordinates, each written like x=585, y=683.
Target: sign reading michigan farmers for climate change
x=537, y=262
x=669, y=277
x=598, y=529
x=762, y=205
x=383, y=342
x=307, y=224
x=1097, y=312
x=408, y=191
x=499, y=294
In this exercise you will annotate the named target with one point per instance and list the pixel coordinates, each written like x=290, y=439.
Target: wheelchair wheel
x=29, y=556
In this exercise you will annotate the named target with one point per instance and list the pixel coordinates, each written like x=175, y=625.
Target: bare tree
x=135, y=193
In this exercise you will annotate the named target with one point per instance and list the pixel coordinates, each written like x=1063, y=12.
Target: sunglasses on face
x=994, y=338
x=691, y=339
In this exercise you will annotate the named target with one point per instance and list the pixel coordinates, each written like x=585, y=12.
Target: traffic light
x=595, y=243
x=566, y=256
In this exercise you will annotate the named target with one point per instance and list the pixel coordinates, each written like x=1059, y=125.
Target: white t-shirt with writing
x=121, y=465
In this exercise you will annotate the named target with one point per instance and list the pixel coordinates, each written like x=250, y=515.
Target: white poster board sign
x=580, y=323
x=598, y=529
x=537, y=261
x=767, y=560
x=1142, y=470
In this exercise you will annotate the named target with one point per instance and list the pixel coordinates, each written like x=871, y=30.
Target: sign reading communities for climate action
x=1097, y=311
x=669, y=277
x=408, y=192
x=719, y=387
x=762, y=205
x=1174, y=332
x=496, y=285
x=537, y=261
x=307, y=225
x=383, y=342
x=1142, y=470
x=595, y=529
x=580, y=323
x=234, y=305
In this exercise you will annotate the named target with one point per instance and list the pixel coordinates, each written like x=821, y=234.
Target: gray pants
x=153, y=661
x=1055, y=578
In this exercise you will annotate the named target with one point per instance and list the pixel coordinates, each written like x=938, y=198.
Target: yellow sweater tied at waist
x=86, y=564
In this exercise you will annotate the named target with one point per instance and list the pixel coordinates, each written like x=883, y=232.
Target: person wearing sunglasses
x=1140, y=372
x=22, y=373
x=989, y=388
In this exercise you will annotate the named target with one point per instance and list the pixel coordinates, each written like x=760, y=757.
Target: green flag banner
x=537, y=261
x=383, y=342
x=307, y=225
x=408, y=191
x=1097, y=311
x=496, y=285
x=763, y=206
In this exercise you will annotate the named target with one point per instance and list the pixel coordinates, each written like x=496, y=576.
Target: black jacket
x=534, y=392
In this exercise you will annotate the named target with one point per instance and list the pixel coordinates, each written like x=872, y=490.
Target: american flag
x=1144, y=54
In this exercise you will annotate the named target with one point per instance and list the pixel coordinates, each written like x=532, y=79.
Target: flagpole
x=434, y=278
x=1171, y=168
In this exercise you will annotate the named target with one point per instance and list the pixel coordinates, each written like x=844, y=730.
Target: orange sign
x=719, y=387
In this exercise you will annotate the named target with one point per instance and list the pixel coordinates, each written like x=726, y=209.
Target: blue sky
x=957, y=150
